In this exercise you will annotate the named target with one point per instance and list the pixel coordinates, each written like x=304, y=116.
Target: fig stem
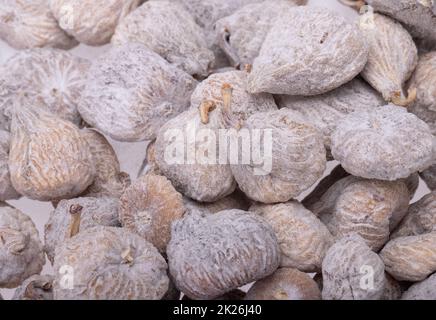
x=397, y=98
x=226, y=94
x=206, y=107
x=75, y=211
x=355, y=4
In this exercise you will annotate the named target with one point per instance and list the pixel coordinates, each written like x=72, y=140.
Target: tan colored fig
x=293, y=152
x=50, y=79
x=420, y=218
x=392, y=57
x=411, y=258
x=7, y=190
x=184, y=151
x=149, y=206
x=229, y=97
x=76, y=215
x=303, y=238
x=212, y=255
x=285, y=284
x=37, y=287
x=92, y=22
x=28, y=24
x=424, y=290
x=352, y=271
x=21, y=252
x=423, y=79
x=168, y=29
x=108, y=263
x=109, y=181
x=369, y=208
x=48, y=159
x=131, y=92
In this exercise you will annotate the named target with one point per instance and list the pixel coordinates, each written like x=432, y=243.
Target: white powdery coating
x=93, y=212
x=387, y=143
x=308, y=51
x=411, y=258
x=298, y=157
x=429, y=177
x=7, y=190
x=324, y=111
x=344, y=269
x=302, y=237
x=28, y=24
x=131, y=92
x=37, y=287
x=241, y=34
x=168, y=29
x=149, y=206
x=424, y=80
x=418, y=16
x=193, y=175
x=51, y=79
x=369, y=208
x=392, y=55
x=21, y=253
x=420, y=218
x=285, y=284
x=243, y=104
x=424, y=290
x=110, y=264
x=48, y=158
x=209, y=256
x=109, y=181
x=92, y=22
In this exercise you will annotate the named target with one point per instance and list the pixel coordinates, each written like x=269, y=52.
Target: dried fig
x=183, y=44
x=209, y=256
x=7, y=190
x=424, y=290
x=131, y=92
x=37, y=287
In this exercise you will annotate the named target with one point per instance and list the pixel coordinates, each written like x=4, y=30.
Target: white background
x=131, y=155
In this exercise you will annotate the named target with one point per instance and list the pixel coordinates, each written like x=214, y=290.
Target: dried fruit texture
x=227, y=91
x=149, y=207
x=303, y=238
x=132, y=91
x=198, y=176
x=285, y=284
x=209, y=256
x=48, y=158
x=411, y=258
x=298, y=157
x=424, y=80
x=7, y=191
x=168, y=29
x=387, y=143
x=48, y=78
x=111, y=264
x=429, y=177
x=324, y=185
x=324, y=111
x=296, y=56
x=109, y=181
x=392, y=57
x=92, y=22
x=393, y=289
x=418, y=16
x=21, y=253
x=37, y=287
x=345, y=267
x=76, y=215
x=236, y=200
x=369, y=208
x=424, y=290
x=28, y=24
x=241, y=34
x=420, y=218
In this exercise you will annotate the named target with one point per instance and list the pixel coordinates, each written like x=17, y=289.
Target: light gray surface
x=131, y=155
